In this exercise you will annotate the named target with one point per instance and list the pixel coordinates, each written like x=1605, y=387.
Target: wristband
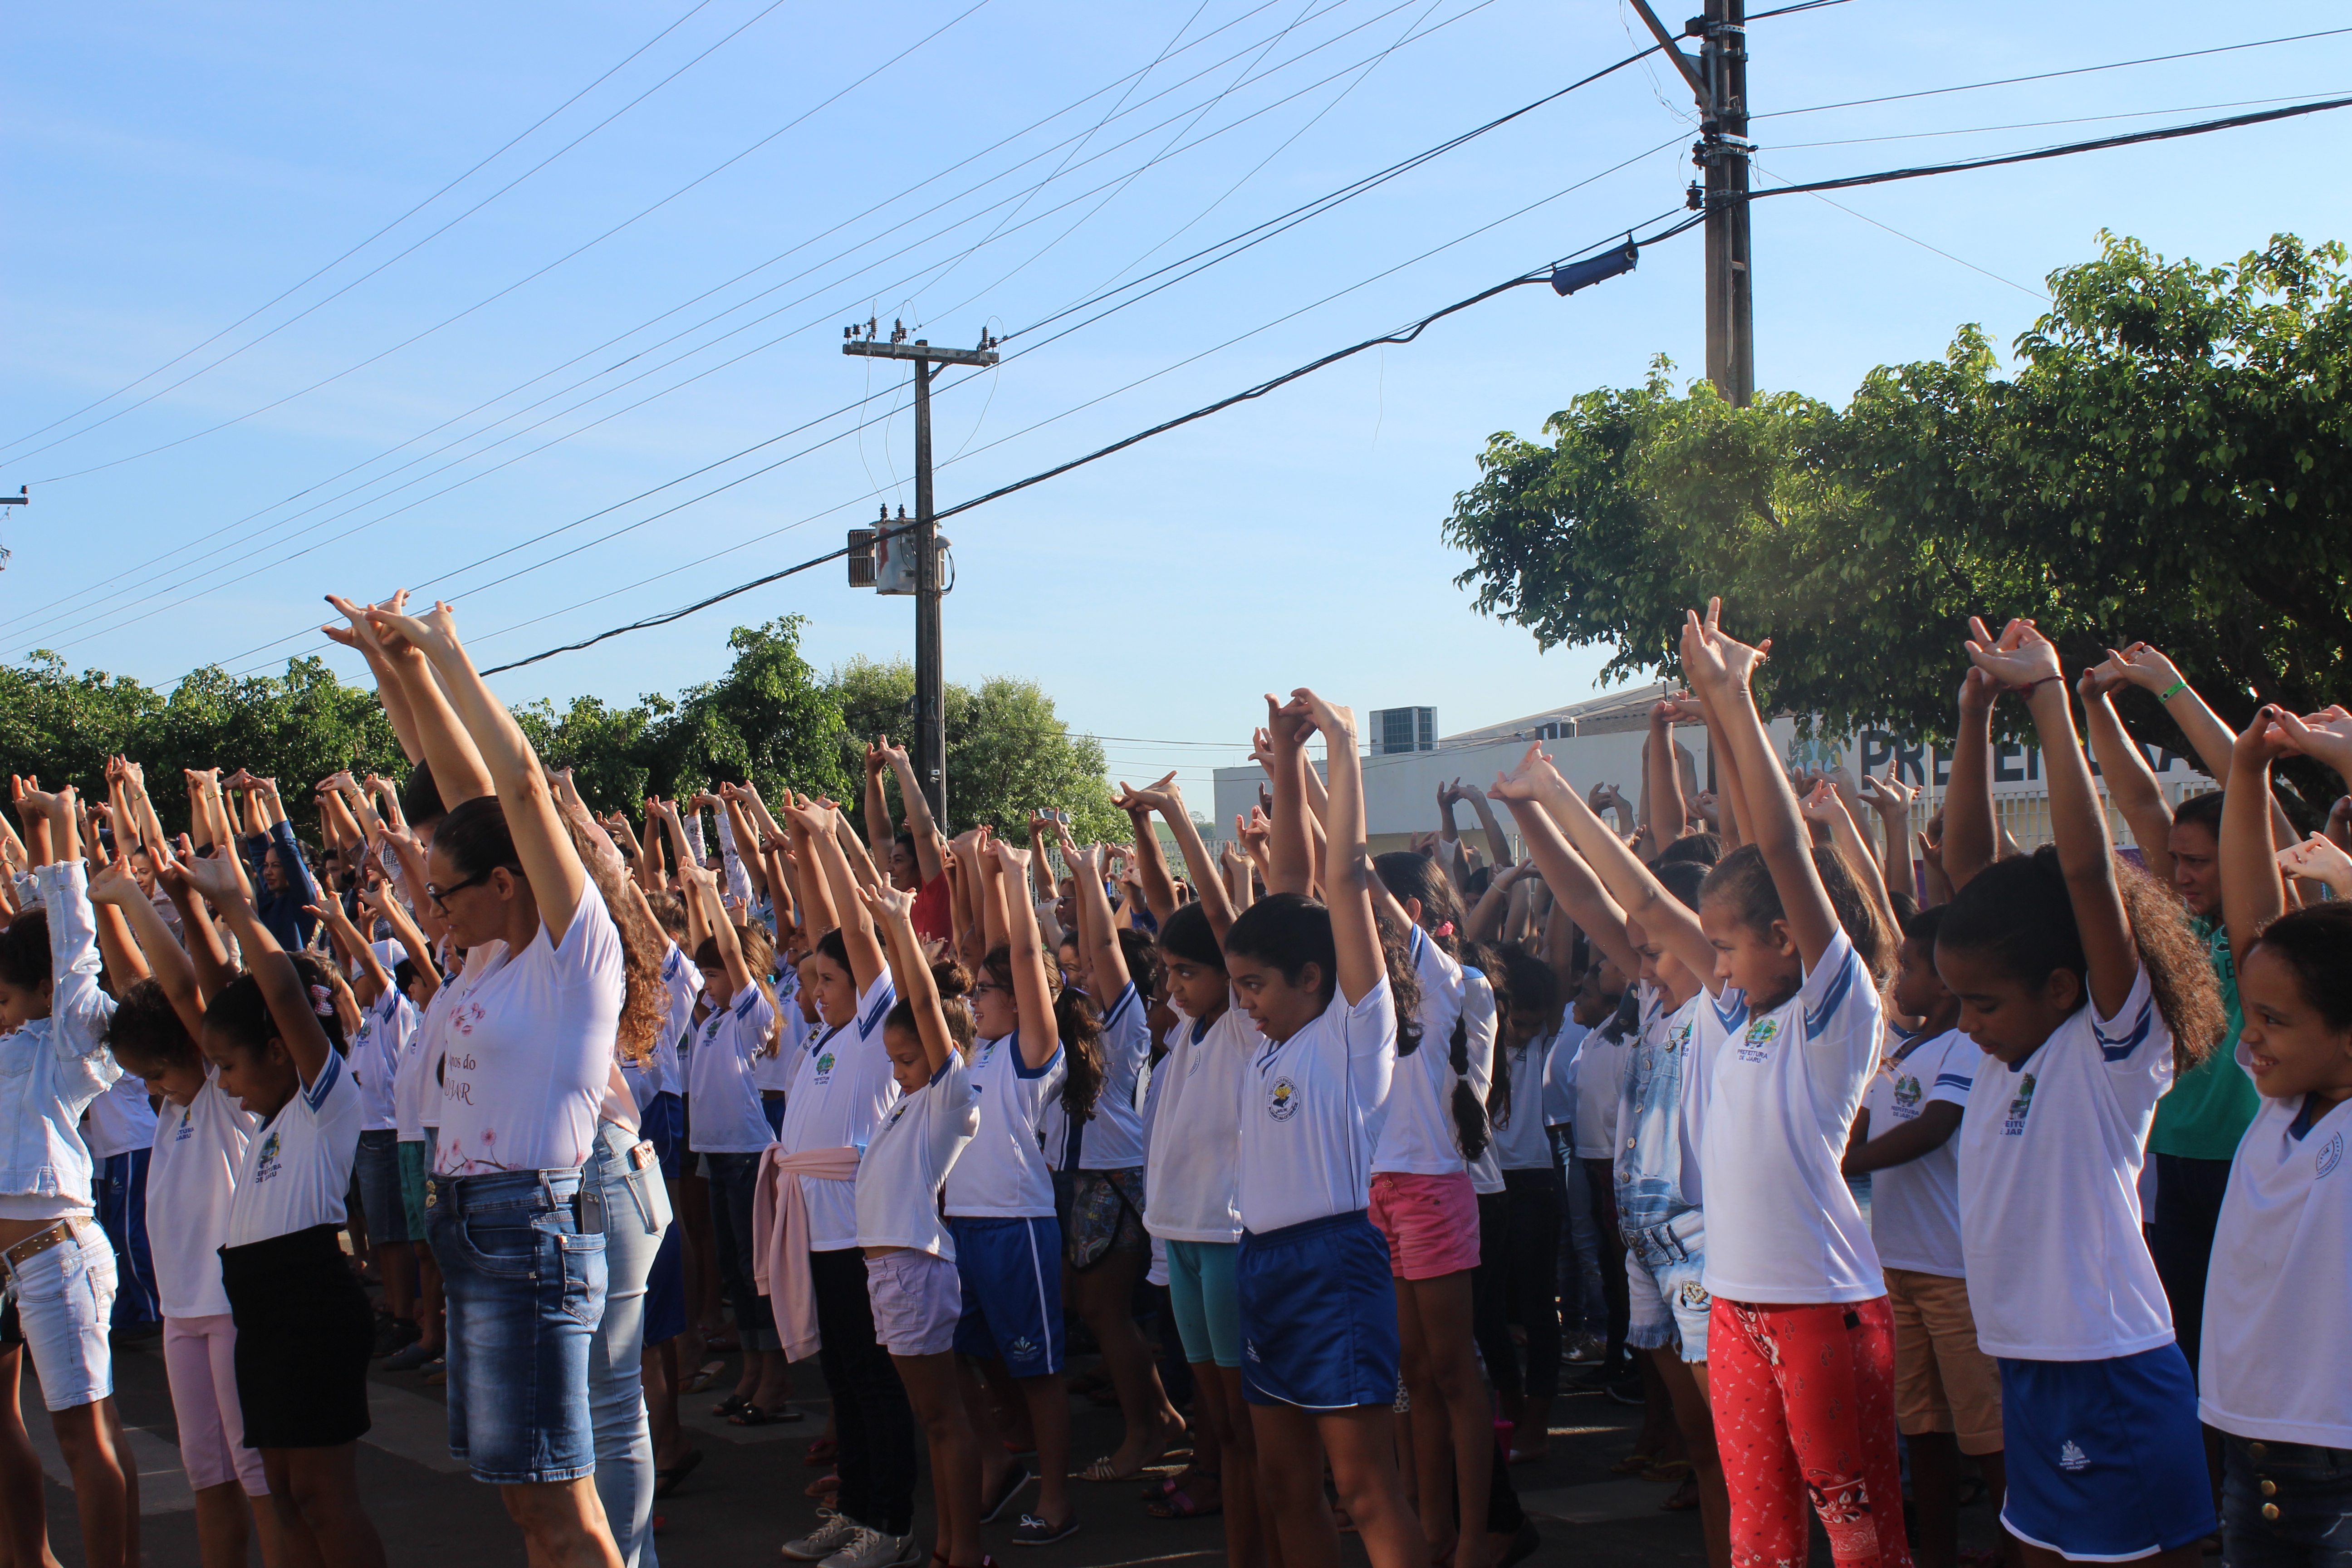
x=2030, y=686
x=2173, y=691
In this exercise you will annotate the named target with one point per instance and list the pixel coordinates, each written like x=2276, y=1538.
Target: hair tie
x=323, y=1001
x=1445, y=929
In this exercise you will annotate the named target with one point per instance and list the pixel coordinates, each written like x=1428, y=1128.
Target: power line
x=370, y=239
x=2033, y=124
x=2050, y=76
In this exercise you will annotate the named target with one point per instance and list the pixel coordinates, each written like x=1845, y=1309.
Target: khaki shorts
x=1942, y=1381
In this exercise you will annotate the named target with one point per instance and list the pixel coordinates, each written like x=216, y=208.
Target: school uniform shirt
x=191, y=1183
x=1003, y=1172
x=120, y=1120
x=2277, y=1350
x=1914, y=1207
x=1306, y=1107
x=1414, y=1130
x=910, y=1155
x=2051, y=1150
x=1599, y=1077
x=1191, y=1183
x=530, y=1050
x=727, y=1116
x=1481, y=1023
x=1560, y=1061
x=840, y=1094
x=1520, y=1143
x=1113, y=1140
x=684, y=983
x=297, y=1165
x=1782, y=1224
x=775, y=1072
x=385, y=1027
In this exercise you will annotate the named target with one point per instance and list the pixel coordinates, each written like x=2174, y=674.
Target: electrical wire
x=2052, y=76
x=2036, y=124
x=1914, y=239
x=370, y=239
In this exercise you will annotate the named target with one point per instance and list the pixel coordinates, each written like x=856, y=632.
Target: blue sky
x=172, y=169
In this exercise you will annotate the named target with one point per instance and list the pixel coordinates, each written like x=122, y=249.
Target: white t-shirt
x=1600, y=1080
x=529, y=1051
x=1520, y=1143
x=684, y=983
x=1415, y=1131
x=297, y=1166
x=1482, y=1024
x=1306, y=1107
x=909, y=1156
x=416, y=1086
x=1002, y=1174
x=120, y=1120
x=2277, y=1347
x=385, y=1027
x=1914, y=1207
x=1191, y=1180
x=840, y=1091
x=727, y=1116
x=776, y=1072
x=1560, y=1073
x=191, y=1182
x=1113, y=1140
x=2051, y=1148
x=1782, y=1224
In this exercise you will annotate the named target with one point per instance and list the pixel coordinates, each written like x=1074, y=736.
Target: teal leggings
x=1206, y=1302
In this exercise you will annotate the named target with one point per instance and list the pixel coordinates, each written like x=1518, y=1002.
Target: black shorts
x=303, y=1333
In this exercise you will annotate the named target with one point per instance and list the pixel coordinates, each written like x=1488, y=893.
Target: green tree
x=2166, y=460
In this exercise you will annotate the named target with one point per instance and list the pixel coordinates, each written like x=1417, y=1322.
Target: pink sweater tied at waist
x=779, y=1229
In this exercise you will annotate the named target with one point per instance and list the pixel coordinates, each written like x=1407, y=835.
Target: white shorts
x=918, y=1300
x=200, y=1361
x=65, y=1297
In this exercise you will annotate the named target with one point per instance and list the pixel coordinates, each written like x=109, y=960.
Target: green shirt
x=2209, y=1107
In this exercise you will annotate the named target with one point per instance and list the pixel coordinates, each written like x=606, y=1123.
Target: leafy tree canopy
x=2168, y=460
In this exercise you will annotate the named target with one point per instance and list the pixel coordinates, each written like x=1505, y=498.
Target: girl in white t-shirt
x=1795, y=1283
x=2079, y=980
x=1317, y=1310
x=910, y=1269
x=302, y=1322
x=2275, y=1372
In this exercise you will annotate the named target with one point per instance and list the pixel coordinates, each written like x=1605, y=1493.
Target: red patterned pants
x=1803, y=1399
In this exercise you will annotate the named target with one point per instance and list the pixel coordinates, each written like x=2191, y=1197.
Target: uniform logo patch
x=2332, y=1155
x=1282, y=1100
x=1906, y=1092
x=2071, y=1458
x=2018, y=1107
x=1759, y=1036
x=824, y=1068
x=267, y=1165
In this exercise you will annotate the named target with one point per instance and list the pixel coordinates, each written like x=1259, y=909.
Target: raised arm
x=281, y=985
x=1347, y=870
x=892, y=912
x=865, y=950
x=357, y=634
x=1498, y=845
x=1666, y=813
x=1826, y=804
x=1151, y=864
x=207, y=954
x=459, y=771
x=2252, y=892
x=929, y=842
x=375, y=978
x=878, y=832
x=1041, y=1033
x=1208, y=885
x=702, y=892
x=1291, y=838
x=378, y=897
x=1526, y=790
x=1971, y=839
x=2023, y=660
x=819, y=912
x=1891, y=798
x=167, y=961
x=1099, y=938
x=2130, y=784
x=557, y=879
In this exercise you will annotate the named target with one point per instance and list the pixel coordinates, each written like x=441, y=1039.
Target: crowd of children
x=1385, y=1139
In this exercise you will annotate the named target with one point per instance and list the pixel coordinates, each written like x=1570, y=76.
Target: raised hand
x=214, y=878
x=435, y=629
x=1890, y=795
x=2319, y=858
x=1709, y=810
x=1013, y=861
x=1288, y=724
x=1714, y=659
x=1161, y=797
x=2021, y=658
x=1529, y=779
x=1337, y=723
x=1681, y=708
x=884, y=902
x=1821, y=803
x=113, y=884
x=2140, y=666
x=2326, y=736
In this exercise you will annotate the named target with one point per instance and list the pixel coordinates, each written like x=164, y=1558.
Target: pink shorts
x=918, y=1299
x=1431, y=1223
x=200, y=1363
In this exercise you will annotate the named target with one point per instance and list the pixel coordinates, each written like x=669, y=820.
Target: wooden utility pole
x=930, y=752
x=1719, y=82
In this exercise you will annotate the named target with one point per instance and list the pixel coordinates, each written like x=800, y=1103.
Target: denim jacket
x=1650, y=1186
x=53, y=1067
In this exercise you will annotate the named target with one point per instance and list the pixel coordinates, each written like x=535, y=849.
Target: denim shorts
x=1670, y=1305
x=522, y=1261
x=2283, y=1505
x=64, y=1299
x=377, y=1166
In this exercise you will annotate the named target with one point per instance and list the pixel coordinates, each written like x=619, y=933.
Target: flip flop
x=734, y=1404
x=752, y=1416
x=667, y=1481
x=821, y=1453
x=695, y=1382
x=1014, y=1479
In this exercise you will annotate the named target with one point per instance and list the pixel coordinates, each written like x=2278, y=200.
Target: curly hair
x=146, y=1031
x=644, y=999
x=2315, y=942
x=2018, y=913
x=241, y=1014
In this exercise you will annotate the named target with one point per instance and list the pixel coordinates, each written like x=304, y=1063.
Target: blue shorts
x=1012, y=1274
x=377, y=1165
x=1205, y=1302
x=2107, y=1461
x=662, y=1125
x=1318, y=1315
x=772, y=1106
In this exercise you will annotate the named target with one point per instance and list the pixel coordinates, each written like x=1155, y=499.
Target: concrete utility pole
x=930, y=752
x=1719, y=82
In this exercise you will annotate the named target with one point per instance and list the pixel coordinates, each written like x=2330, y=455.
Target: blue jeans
x=2311, y=1491
x=1583, y=1305
x=522, y=1261
x=636, y=1212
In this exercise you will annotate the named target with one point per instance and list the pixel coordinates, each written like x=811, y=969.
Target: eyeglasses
x=441, y=895
x=987, y=987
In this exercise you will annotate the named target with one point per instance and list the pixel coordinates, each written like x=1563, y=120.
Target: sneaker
x=831, y=1532
x=1035, y=1532
x=867, y=1547
x=1628, y=1390
x=1583, y=1350
x=392, y=1334
x=409, y=1357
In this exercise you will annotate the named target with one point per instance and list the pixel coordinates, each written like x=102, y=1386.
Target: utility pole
x=930, y=751
x=1719, y=82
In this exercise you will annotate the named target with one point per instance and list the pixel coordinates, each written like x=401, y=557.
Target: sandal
x=1178, y=1504
x=822, y=1487
x=695, y=1382
x=667, y=1481
x=1633, y=1464
x=1014, y=1479
x=753, y=1416
x=734, y=1404
x=1682, y=1499
x=821, y=1453
x=1035, y=1532
x=1668, y=1470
